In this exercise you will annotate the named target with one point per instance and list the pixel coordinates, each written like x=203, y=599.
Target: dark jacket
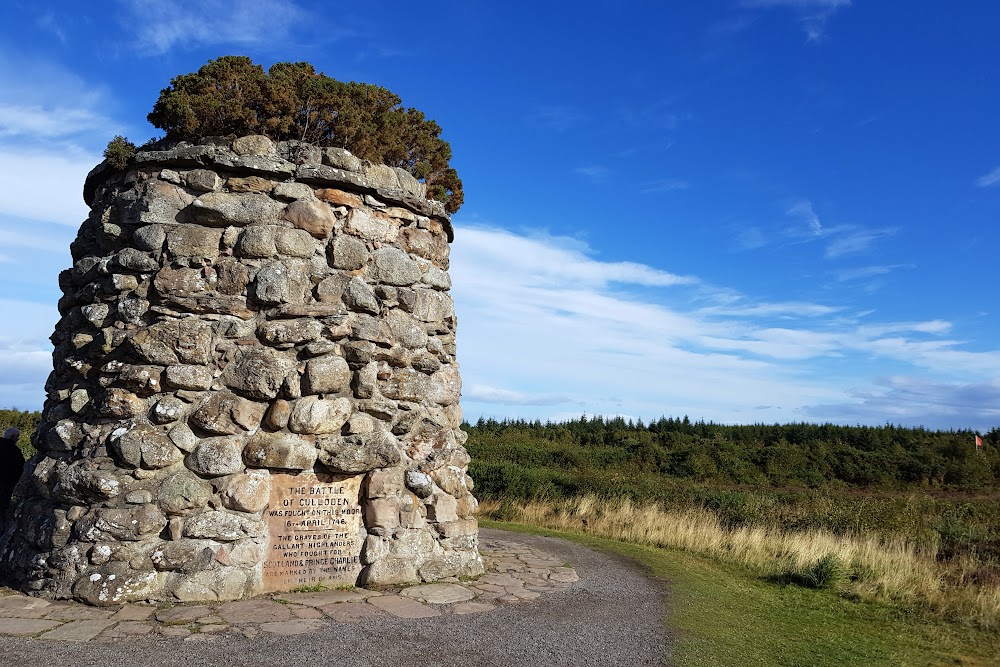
x=11, y=465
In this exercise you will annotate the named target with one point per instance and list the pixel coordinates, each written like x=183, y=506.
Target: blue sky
x=737, y=210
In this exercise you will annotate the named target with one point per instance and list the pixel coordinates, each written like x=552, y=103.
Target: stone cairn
x=254, y=385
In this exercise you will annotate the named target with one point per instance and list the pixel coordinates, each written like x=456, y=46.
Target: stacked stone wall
x=252, y=335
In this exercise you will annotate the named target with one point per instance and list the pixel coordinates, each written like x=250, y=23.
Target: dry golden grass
x=874, y=568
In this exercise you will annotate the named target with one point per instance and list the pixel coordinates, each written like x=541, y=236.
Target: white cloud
x=917, y=401
x=488, y=394
x=855, y=242
x=543, y=321
x=812, y=14
x=594, y=172
x=664, y=185
x=803, y=210
x=865, y=272
x=556, y=117
x=786, y=309
x=159, y=26
x=25, y=353
x=56, y=197
x=990, y=179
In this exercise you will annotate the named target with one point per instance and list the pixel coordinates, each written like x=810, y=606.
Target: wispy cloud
x=40, y=102
x=655, y=115
x=488, y=394
x=664, y=185
x=865, y=272
x=55, y=198
x=556, y=117
x=594, y=172
x=54, y=24
x=841, y=240
x=803, y=210
x=857, y=241
x=160, y=26
x=787, y=309
x=990, y=179
x=750, y=238
x=813, y=15
x=48, y=122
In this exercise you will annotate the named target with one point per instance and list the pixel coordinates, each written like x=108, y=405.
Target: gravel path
x=612, y=616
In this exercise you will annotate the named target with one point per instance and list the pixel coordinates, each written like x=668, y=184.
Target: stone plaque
x=314, y=521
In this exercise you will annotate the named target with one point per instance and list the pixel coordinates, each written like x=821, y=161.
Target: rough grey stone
x=257, y=241
x=225, y=413
x=292, y=191
x=203, y=180
x=354, y=454
x=254, y=144
x=132, y=259
x=193, y=241
x=144, y=446
x=405, y=330
x=314, y=415
x=294, y=242
x=246, y=492
x=114, y=584
x=327, y=375
x=222, y=526
x=363, y=224
x=124, y=524
x=280, y=450
x=420, y=483
x=182, y=492
x=196, y=378
x=166, y=410
x=341, y=159
x=381, y=176
x=224, y=208
x=295, y=331
x=258, y=373
x=271, y=284
x=359, y=296
x=214, y=457
x=392, y=266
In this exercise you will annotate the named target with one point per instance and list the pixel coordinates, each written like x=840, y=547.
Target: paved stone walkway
x=515, y=572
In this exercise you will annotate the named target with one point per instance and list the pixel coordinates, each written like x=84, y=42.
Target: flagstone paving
x=515, y=573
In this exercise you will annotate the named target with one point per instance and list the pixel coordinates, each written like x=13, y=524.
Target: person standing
x=11, y=466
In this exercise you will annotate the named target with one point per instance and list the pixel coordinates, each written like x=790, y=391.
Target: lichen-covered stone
x=182, y=493
x=258, y=373
x=329, y=374
x=216, y=456
x=144, y=446
x=314, y=415
x=115, y=584
x=225, y=413
x=354, y=454
x=280, y=450
x=246, y=492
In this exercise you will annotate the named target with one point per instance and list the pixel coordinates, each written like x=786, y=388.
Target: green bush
x=291, y=101
x=119, y=152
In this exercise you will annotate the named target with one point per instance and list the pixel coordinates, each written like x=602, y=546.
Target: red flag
x=979, y=442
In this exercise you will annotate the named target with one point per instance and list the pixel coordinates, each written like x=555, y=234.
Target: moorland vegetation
x=906, y=515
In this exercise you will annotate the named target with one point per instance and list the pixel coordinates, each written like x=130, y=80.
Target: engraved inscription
x=314, y=521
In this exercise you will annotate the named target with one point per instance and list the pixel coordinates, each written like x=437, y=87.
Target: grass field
x=724, y=615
